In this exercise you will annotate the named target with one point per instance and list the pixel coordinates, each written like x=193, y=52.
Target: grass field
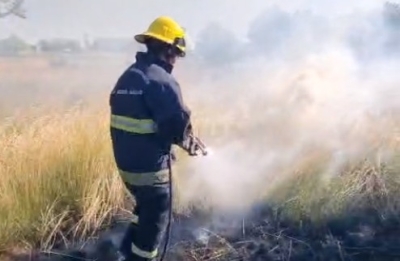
x=58, y=174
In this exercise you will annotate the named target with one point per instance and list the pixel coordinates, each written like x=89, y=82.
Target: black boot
x=106, y=251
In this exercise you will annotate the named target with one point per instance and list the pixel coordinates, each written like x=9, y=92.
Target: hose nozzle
x=201, y=146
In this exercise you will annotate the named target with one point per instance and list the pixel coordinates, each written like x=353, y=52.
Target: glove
x=193, y=146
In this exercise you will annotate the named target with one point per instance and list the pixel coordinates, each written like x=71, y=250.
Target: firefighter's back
x=136, y=146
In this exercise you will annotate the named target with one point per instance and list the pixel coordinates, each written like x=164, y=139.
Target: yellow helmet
x=167, y=30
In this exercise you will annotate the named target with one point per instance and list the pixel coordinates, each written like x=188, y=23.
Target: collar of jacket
x=148, y=58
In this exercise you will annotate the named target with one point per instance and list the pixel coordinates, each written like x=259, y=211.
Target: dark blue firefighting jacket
x=148, y=116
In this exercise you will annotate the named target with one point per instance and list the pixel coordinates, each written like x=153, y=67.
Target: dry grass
x=58, y=174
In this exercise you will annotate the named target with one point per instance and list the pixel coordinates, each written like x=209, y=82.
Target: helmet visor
x=184, y=44
x=179, y=46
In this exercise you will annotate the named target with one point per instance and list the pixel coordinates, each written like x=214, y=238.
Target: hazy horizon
x=123, y=18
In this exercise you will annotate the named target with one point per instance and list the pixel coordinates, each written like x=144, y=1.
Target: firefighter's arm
x=168, y=111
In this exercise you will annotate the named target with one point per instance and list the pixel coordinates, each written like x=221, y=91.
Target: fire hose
x=201, y=147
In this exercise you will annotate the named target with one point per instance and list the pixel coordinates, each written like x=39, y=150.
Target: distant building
x=59, y=45
x=112, y=44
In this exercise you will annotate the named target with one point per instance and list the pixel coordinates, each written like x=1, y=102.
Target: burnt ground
x=264, y=235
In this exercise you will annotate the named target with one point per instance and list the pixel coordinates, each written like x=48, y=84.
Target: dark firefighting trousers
x=150, y=218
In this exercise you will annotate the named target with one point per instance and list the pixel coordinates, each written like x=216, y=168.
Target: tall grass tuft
x=58, y=176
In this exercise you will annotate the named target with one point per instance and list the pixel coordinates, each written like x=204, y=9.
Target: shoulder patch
x=158, y=74
x=144, y=76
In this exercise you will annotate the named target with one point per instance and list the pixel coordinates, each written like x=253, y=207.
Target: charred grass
x=59, y=186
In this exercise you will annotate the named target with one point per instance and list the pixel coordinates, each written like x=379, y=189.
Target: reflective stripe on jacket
x=143, y=126
x=147, y=117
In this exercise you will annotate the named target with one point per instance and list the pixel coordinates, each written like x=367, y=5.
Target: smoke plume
x=301, y=87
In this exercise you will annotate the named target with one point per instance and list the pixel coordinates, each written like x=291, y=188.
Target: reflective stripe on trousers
x=135, y=219
x=146, y=229
x=145, y=254
x=136, y=250
x=146, y=178
x=143, y=126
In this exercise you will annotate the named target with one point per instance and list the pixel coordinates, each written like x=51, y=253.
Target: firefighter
x=148, y=116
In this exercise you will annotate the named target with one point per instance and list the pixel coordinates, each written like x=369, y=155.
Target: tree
x=13, y=45
x=270, y=30
x=218, y=46
x=391, y=15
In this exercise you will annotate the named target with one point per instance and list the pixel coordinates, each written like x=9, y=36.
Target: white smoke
x=301, y=85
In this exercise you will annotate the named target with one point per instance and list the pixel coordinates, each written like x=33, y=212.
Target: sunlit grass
x=59, y=179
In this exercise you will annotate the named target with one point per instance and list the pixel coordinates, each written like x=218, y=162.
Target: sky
x=123, y=18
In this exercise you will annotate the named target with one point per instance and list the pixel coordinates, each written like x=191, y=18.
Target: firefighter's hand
x=193, y=146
